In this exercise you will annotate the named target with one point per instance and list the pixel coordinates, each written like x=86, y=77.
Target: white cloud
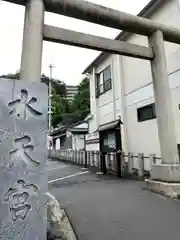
x=68, y=61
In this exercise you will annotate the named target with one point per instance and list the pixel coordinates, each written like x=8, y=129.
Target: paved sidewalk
x=111, y=209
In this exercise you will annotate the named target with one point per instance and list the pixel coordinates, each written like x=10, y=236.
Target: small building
x=70, y=137
x=106, y=138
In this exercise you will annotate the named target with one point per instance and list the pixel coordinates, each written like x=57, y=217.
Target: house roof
x=78, y=130
x=64, y=128
x=109, y=125
x=146, y=12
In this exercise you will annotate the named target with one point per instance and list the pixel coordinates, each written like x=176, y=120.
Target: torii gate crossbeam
x=108, y=17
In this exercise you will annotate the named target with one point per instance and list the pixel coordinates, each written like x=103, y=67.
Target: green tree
x=12, y=75
x=60, y=105
x=81, y=104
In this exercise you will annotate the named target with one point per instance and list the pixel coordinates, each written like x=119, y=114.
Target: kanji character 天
x=22, y=150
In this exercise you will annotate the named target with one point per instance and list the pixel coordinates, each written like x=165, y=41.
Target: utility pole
x=50, y=96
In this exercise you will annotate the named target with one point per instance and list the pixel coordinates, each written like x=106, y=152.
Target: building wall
x=138, y=90
x=92, y=142
x=106, y=107
x=75, y=142
x=148, y=129
x=132, y=88
x=92, y=147
x=78, y=141
x=59, y=142
x=140, y=73
x=57, y=146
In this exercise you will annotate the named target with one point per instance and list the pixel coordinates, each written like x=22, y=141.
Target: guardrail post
x=99, y=159
x=93, y=161
x=89, y=158
x=79, y=157
x=71, y=154
x=119, y=159
x=74, y=156
x=85, y=160
x=141, y=165
x=130, y=163
x=75, y=153
x=82, y=157
x=153, y=158
x=109, y=161
x=103, y=163
x=68, y=155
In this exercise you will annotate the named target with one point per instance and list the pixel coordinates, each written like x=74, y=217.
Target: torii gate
x=35, y=32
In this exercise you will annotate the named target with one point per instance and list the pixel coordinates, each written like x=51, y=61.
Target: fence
x=114, y=163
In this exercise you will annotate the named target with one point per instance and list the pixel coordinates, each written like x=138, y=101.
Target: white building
x=121, y=87
x=71, y=91
x=70, y=137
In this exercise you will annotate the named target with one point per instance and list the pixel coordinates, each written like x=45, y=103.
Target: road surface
x=110, y=209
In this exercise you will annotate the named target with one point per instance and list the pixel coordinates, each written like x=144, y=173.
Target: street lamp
x=50, y=96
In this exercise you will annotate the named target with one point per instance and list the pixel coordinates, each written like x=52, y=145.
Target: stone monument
x=23, y=154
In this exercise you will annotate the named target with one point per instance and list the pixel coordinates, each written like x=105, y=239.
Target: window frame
x=153, y=114
x=98, y=86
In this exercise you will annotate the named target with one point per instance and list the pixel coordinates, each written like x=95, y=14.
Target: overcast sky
x=68, y=61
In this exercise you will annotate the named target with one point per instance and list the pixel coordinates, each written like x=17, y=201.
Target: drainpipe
x=113, y=88
x=96, y=99
x=124, y=131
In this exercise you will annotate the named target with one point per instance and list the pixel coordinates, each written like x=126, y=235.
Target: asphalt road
x=110, y=209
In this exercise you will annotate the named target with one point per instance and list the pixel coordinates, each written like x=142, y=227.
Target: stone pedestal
x=166, y=173
x=23, y=154
x=165, y=179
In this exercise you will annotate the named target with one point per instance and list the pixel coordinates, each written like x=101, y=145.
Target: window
x=97, y=85
x=107, y=85
x=103, y=81
x=107, y=78
x=146, y=113
x=178, y=146
x=107, y=74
